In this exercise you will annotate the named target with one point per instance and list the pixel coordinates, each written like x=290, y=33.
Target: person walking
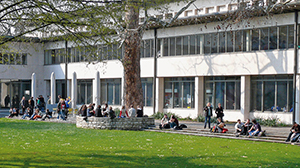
x=207, y=113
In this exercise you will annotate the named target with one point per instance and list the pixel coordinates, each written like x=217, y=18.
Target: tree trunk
x=131, y=61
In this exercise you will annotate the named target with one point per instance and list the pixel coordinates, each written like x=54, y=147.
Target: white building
x=248, y=68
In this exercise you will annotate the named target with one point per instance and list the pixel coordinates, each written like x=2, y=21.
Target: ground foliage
x=41, y=144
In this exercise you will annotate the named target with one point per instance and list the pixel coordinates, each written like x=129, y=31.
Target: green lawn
x=42, y=144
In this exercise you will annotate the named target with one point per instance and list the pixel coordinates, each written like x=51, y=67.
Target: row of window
x=269, y=38
x=13, y=58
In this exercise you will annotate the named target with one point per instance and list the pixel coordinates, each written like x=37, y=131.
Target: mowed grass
x=42, y=144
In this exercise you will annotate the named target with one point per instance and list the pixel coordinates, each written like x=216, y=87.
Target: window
x=282, y=37
x=229, y=41
x=214, y=42
x=291, y=36
x=273, y=38
x=172, y=46
x=192, y=45
x=264, y=39
x=148, y=47
x=147, y=84
x=207, y=44
x=111, y=91
x=84, y=91
x=224, y=90
x=179, y=92
x=255, y=39
x=238, y=41
x=166, y=47
x=178, y=45
x=185, y=45
x=272, y=93
x=222, y=42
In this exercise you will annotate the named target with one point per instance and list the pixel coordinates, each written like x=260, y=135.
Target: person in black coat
x=139, y=112
x=98, y=112
x=208, y=110
x=219, y=112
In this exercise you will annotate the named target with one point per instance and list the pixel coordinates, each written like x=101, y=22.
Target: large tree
x=93, y=22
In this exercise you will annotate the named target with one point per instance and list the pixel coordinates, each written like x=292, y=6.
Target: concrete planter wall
x=137, y=123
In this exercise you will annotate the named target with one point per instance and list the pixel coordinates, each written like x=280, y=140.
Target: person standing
x=23, y=105
x=219, y=112
x=31, y=104
x=131, y=111
x=207, y=113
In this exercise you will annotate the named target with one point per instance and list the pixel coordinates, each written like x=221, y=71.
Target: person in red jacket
x=123, y=113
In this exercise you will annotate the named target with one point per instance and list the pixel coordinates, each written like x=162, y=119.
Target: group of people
x=28, y=106
x=171, y=122
x=208, y=113
x=105, y=111
x=248, y=128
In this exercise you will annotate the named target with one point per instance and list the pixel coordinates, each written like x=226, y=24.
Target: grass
x=42, y=144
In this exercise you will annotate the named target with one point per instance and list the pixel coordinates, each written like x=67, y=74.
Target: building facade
x=248, y=68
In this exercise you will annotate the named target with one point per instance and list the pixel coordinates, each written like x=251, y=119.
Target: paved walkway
x=274, y=131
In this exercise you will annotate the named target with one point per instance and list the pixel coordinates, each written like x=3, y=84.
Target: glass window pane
x=187, y=97
x=273, y=38
x=256, y=90
x=192, y=45
x=282, y=95
x=269, y=95
x=144, y=93
x=207, y=44
x=142, y=50
x=149, y=98
x=147, y=48
x=185, y=45
x=220, y=88
x=177, y=95
x=214, y=42
x=110, y=94
x=166, y=47
x=198, y=43
x=117, y=100
x=264, y=39
x=103, y=92
x=238, y=41
x=89, y=93
x=172, y=46
x=255, y=39
x=230, y=89
x=222, y=42
x=291, y=36
x=168, y=95
x=209, y=92
x=238, y=95
x=229, y=41
x=290, y=103
x=178, y=45
x=282, y=37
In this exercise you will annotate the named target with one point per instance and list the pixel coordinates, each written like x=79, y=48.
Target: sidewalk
x=274, y=131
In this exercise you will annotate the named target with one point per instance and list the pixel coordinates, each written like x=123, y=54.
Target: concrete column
x=53, y=88
x=245, y=96
x=297, y=109
x=160, y=90
x=199, y=95
x=74, y=90
x=33, y=85
x=96, y=86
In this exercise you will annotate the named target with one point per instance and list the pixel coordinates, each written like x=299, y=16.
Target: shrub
x=270, y=121
x=160, y=115
x=117, y=111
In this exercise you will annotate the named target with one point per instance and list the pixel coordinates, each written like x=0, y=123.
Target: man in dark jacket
x=111, y=113
x=139, y=112
x=207, y=113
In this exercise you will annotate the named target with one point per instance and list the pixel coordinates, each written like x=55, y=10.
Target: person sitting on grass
x=220, y=125
x=294, y=133
x=27, y=113
x=173, y=122
x=255, y=129
x=238, y=128
x=164, y=122
x=48, y=115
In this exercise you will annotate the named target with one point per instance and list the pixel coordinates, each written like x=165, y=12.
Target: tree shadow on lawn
x=121, y=159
